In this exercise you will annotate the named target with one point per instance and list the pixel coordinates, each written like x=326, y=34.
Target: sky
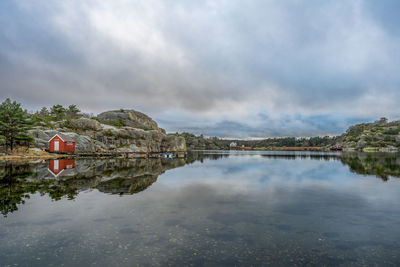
x=220, y=67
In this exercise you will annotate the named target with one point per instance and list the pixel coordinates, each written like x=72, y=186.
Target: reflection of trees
x=133, y=176
x=116, y=176
x=193, y=156
x=202, y=155
x=294, y=156
x=126, y=185
x=382, y=165
x=16, y=186
x=12, y=192
x=122, y=176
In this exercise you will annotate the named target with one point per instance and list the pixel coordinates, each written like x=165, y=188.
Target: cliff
x=111, y=131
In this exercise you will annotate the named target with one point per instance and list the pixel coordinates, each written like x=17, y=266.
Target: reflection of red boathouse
x=59, y=167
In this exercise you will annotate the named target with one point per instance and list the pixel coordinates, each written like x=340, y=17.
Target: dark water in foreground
x=212, y=209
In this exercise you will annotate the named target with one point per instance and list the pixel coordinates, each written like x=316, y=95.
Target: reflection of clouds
x=258, y=171
x=254, y=175
x=233, y=203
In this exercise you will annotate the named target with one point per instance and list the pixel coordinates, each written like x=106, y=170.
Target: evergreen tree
x=58, y=111
x=13, y=124
x=43, y=113
x=72, y=111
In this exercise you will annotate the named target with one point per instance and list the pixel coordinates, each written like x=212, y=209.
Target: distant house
x=61, y=143
x=235, y=146
x=59, y=167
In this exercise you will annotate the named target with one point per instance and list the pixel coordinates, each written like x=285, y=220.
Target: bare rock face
x=132, y=132
x=131, y=118
x=137, y=140
x=87, y=124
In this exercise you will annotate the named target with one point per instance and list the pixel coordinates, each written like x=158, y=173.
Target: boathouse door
x=56, y=145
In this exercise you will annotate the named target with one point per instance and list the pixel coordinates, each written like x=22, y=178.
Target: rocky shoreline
x=111, y=131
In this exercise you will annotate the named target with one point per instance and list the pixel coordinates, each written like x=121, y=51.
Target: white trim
x=55, y=175
x=61, y=139
x=53, y=138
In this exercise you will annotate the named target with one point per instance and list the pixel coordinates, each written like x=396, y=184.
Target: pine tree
x=13, y=124
x=43, y=113
x=72, y=111
x=58, y=112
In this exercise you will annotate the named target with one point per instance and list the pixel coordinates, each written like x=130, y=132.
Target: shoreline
x=27, y=156
x=46, y=155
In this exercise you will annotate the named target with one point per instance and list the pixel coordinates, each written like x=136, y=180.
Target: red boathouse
x=61, y=143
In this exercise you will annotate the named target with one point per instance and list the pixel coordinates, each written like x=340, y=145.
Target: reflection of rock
x=122, y=176
x=127, y=185
x=379, y=164
x=135, y=176
x=118, y=175
x=115, y=176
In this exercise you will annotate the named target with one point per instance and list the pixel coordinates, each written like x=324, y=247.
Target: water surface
x=211, y=209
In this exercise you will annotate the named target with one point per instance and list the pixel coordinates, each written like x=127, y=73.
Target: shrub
x=118, y=123
x=108, y=132
x=124, y=135
x=391, y=131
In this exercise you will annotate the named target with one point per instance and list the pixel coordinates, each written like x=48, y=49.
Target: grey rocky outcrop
x=85, y=123
x=140, y=134
x=131, y=118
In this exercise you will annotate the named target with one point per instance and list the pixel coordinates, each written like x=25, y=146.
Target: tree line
x=16, y=121
x=200, y=142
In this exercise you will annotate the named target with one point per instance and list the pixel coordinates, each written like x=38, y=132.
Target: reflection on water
x=60, y=167
x=214, y=208
x=382, y=165
x=59, y=177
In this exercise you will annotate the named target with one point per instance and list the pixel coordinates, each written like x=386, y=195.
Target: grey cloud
x=199, y=58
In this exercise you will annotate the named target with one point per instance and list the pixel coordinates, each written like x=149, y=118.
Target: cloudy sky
x=226, y=68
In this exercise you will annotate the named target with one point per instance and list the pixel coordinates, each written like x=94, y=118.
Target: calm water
x=211, y=209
